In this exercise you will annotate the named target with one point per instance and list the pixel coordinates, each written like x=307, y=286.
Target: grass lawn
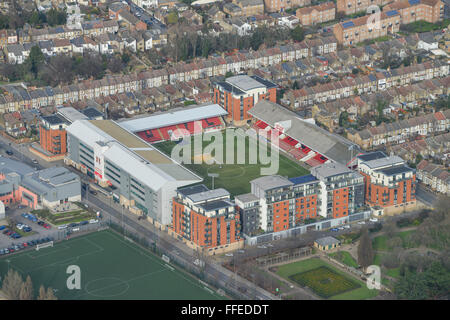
x=288, y=270
x=345, y=257
x=381, y=242
x=65, y=217
x=111, y=268
x=235, y=177
x=325, y=282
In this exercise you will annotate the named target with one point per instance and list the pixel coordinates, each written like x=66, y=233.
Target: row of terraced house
x=203, y=68
x=401, y=131
x=366, y=84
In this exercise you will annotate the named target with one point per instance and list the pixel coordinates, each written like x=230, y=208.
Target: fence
x=320, y=225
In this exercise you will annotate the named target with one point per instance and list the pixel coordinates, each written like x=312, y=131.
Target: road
x=425, y=196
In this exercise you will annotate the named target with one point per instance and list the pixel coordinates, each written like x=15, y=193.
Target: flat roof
x=72, y=114
x=391, y=171
x=173, y=117
x=329, y=170
x=216, y=205
x=271, y=182
x=372, y=156
x=383, y=162
x=303, y=179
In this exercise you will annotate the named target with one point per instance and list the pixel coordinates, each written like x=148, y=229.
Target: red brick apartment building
x=357, y=30
x=206, y=218
x=316, y=14
x=238, y=94
x=52, y=134
x=414, y=10
x=389, y=182
x=353, y=6
x=282, y=5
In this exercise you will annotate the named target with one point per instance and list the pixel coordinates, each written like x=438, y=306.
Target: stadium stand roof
x=332, y=146
x=132, y=153
x=173, y=117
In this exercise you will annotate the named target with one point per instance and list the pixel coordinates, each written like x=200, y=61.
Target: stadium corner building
x=144, y=179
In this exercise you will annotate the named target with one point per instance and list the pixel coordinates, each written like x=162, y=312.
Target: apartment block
x=389, y=182
x=282, y=5
x=206, y=218
x=415, y=10
x=365, y=28
x=239, y=94
x=317, y=14
x=353, y=6
x=330, y=191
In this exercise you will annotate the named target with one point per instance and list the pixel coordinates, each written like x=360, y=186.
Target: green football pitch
x=111, y=268
x=234, y=177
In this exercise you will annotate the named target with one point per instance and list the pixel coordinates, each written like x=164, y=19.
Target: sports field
x=111, y=268
x=325, y=280
x=234, y=177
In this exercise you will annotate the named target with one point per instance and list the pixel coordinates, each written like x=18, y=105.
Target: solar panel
x=392, y=13
x=413, y=2
x=348, y=24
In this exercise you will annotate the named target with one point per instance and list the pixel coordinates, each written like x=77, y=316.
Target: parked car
x=34, y=161
x=64, y=226
x=40, y=222
x=9, y=152
x=334, y=229
x=46, y=226
x=82, y=223
x=27, y=229
x=20, y=226
x=373, y=220
x=2, y=227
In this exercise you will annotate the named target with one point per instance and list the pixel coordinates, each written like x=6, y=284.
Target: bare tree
x=42, y=293
x=12, y=284
x=50, y=294
x=365, y=251
x=26, y=291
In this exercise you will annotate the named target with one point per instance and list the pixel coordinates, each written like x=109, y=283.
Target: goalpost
x=44, y=245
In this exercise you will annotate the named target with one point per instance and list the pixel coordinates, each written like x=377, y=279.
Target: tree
x=12, y=284
x=35, y=59
x=26, y=291
x=298, y=34
x=365, y=251
x=172, y=18
x=42, y=293
x=50, y=294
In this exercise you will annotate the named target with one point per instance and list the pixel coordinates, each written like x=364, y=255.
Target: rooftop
x=173, y=117
x=271, y=182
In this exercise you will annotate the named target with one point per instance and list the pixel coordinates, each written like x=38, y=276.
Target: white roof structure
x=132, y=154
x=173, y=117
